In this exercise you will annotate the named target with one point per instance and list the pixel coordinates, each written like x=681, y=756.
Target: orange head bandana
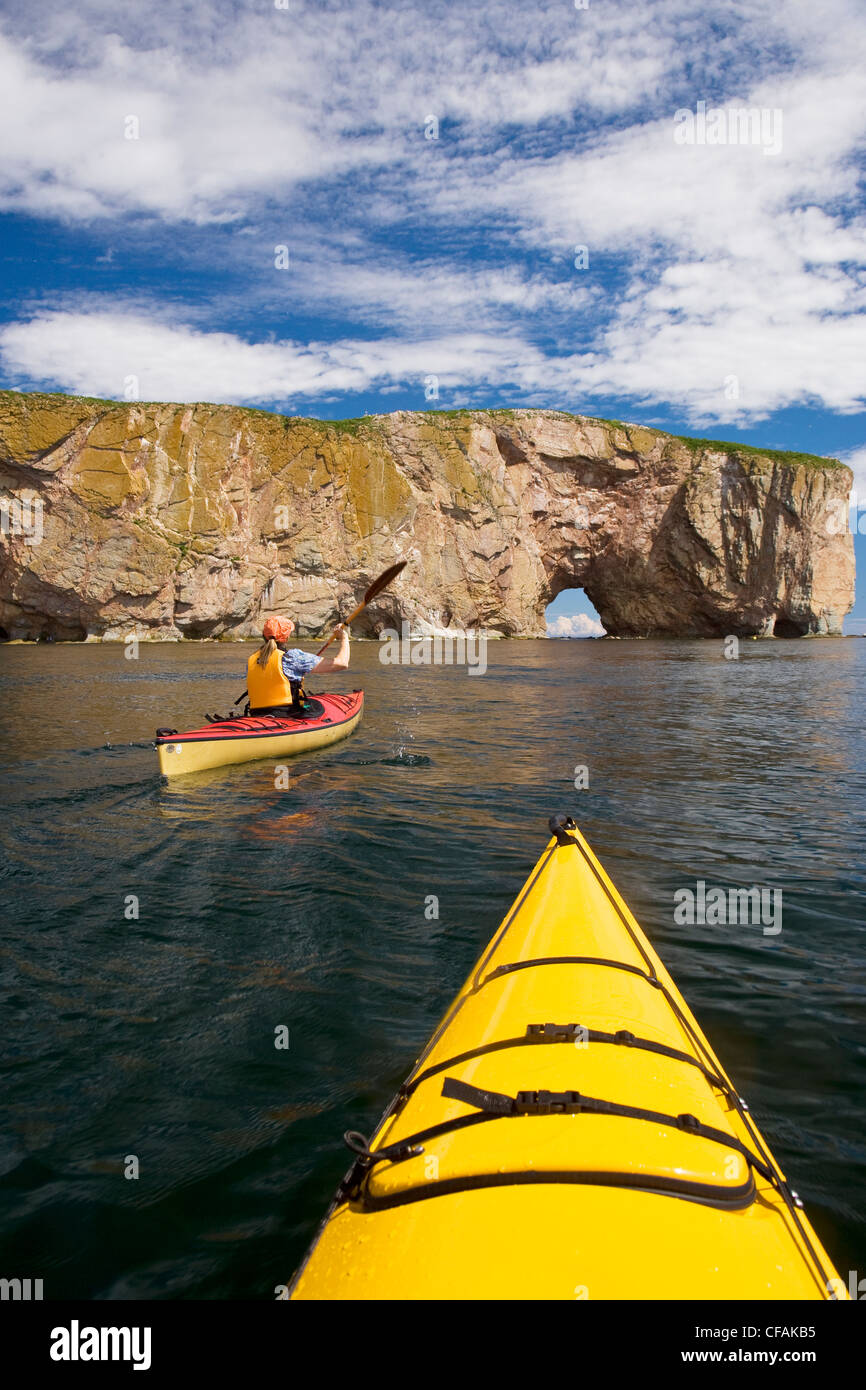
x=280, y=629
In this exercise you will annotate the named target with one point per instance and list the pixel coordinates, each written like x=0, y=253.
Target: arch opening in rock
x=786, y=627
x=571, y=614
x=200, y=631
x=55, y=630
x=381, y=616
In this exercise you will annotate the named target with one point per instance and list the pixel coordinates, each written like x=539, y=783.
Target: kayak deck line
x=573, y=1170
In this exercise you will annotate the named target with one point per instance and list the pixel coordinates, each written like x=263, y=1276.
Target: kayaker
x=275, y=674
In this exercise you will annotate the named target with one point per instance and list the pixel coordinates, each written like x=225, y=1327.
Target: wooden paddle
x=374, y=590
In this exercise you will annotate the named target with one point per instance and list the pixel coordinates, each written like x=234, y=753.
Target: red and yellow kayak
x=568, y=1132
x=250, y=738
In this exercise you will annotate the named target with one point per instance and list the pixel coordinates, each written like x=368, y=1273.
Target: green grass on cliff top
x=791, y=456
x=354, y=425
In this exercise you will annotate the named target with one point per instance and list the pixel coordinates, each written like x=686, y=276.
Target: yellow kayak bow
x=568, y=1132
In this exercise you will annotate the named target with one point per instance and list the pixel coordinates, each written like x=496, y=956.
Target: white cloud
x=405, y=292
x=93, y=353
x=93, y=349
x=556, y=129
x=581, y=625
x=238, y=100
x=736, y=272
x=205, y=141
x=241, y=101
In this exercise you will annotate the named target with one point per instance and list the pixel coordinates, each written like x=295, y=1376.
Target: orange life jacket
x=266, y=685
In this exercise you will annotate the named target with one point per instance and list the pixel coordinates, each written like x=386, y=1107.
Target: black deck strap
x=491, y=1102
x=496, y=1105
x=723, y=1198
x=539, y=1034
x=513, y=965
x=559, y=826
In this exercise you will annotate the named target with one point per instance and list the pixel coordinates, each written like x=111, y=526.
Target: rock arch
x=200, y=519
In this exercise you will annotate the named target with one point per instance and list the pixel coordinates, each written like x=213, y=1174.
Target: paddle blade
x=383, y=581
x=375, y=588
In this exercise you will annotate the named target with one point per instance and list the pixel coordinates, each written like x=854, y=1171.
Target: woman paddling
x=275, y=674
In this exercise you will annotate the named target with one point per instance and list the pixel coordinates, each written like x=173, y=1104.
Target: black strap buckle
x=547, y=1103
x=555, y=1032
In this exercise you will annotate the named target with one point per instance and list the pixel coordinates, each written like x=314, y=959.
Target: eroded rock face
x=198, y=521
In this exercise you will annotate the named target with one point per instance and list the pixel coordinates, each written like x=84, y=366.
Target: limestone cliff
x=197, y=520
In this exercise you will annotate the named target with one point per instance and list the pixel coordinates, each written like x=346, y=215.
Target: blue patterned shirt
x=297, y=664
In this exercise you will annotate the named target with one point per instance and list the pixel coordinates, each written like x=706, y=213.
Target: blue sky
x=431, y=169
